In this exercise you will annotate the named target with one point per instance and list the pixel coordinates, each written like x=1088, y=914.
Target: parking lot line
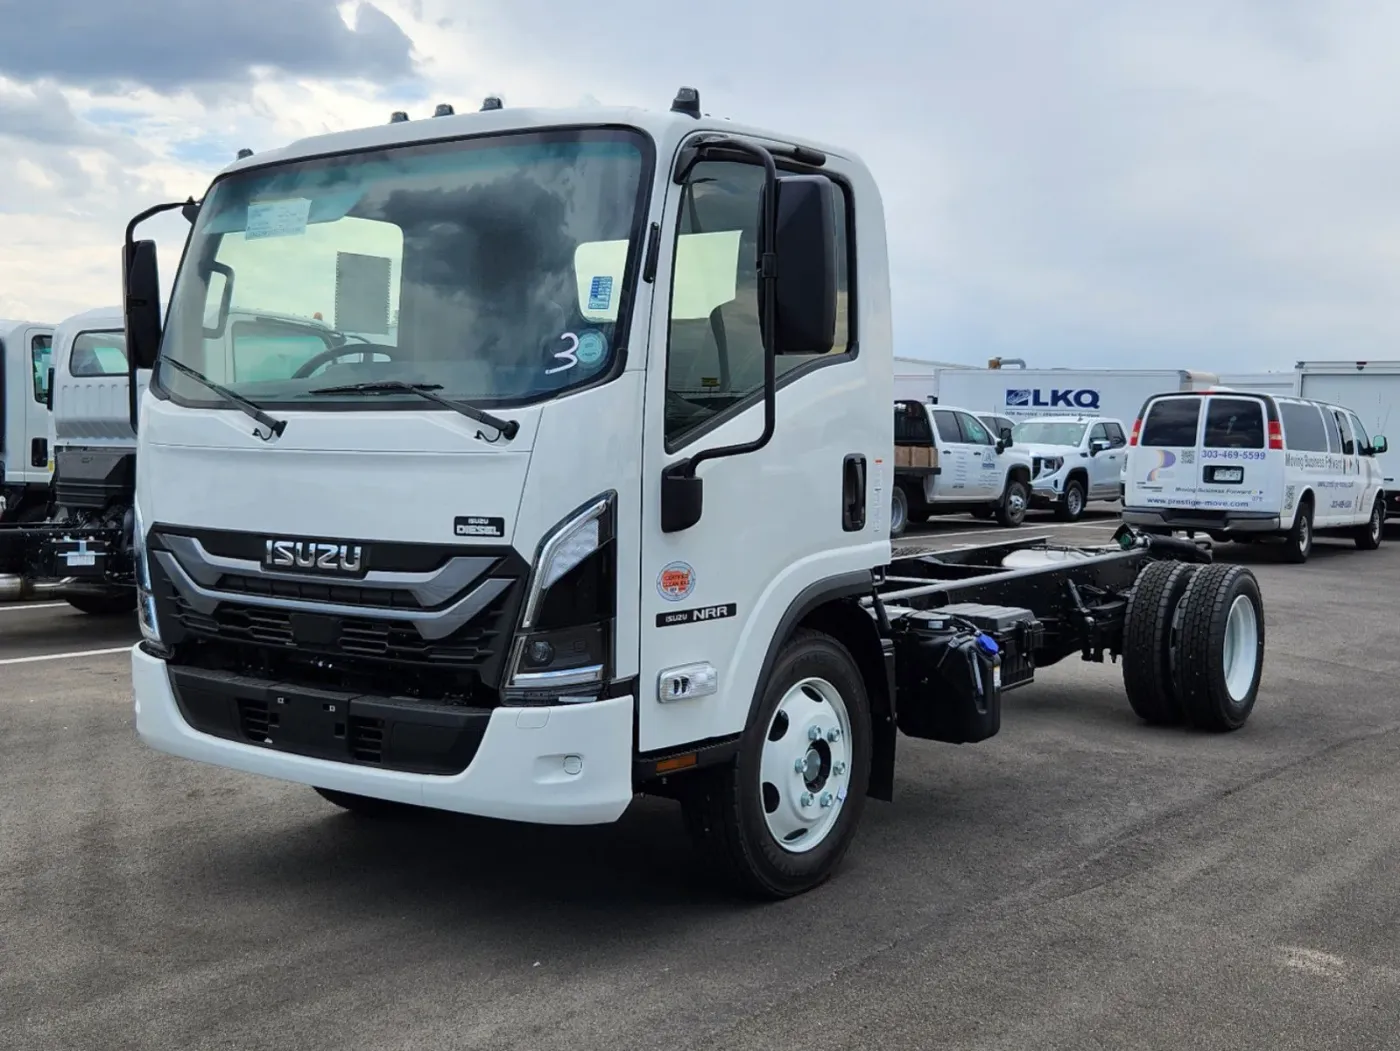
x=31, y=605
x=66, y=656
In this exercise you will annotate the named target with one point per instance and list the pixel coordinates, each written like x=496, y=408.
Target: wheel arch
x=1305, y=497
x=832, y=607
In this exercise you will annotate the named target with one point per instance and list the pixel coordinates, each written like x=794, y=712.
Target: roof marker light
x=444, y=109
x=398, y=117
x=687, y=102
x=491, y=102
x=244, y=153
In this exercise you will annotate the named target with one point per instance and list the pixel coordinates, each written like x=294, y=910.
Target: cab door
x=985, y=473
x=806, y=512
x=1105, y=462
x=957, y=478
x=38, y=357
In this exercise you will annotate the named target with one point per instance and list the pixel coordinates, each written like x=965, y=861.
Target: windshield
x=498, y=269
x=1049, y=432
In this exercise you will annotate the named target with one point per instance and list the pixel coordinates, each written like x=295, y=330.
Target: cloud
x=170, y=45
x=1064, y=181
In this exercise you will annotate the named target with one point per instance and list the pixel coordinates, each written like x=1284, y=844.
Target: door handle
x=976, y=452
x=853, y=493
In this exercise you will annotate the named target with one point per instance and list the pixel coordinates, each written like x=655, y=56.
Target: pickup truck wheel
x=899, y=511
x=1147, y=641
x=1071, y=505
x=1219, y=656
x=1368, y=537
x=1011, y=512
x=115, y=604
x=1298, y=541
x=779, y=818
x=363, y=806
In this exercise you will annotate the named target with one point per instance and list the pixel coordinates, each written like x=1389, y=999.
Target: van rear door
x=1162, y=464
x=1241, y=455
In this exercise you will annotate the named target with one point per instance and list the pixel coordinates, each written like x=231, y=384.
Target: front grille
x=306, y=591
x=363, y=637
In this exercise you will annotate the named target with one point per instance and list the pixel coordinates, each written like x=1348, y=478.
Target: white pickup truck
x=948, y=462
x=1074, y=459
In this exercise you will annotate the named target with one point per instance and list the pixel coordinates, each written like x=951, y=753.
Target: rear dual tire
x=1193, y=646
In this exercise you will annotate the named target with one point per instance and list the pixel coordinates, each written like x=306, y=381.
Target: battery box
x=953, y=664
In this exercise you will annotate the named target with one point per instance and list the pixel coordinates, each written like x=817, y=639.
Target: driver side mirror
x=141, y=298
x=1099, y=445
x=804, y=293
x=1005, y=436
x=1378, y=444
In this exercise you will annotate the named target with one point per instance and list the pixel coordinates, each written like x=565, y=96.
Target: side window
x=947, y=424
x=714, y=356
x=1334, y=433
x=1171, y=422
x=1116, y=438
x=1303, y=429
x=1234, y=423
x=1348, y=443
x=40, y=352
x=98, y=354
x=974, y=432
x=1363, y=440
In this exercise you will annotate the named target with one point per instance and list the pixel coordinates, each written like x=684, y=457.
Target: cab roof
x=665, y=128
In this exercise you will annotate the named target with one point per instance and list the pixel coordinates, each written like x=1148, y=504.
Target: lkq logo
x=313, y=554
x=1052, y=398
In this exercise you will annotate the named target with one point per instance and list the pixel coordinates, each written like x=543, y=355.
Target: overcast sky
x=1200, y=184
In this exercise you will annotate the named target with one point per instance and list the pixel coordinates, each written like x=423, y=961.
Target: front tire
x=1368, y=536
x=1011, y=512
x=1071, y=505
x=778, y=819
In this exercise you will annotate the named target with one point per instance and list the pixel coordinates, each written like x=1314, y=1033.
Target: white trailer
x=1371, y=389
x=916, y=379
x=1023, y=394
x=26, y=466
x=1282, y=384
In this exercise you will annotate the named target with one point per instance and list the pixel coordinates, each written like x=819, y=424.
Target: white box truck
x=1371, y=389
x=606, y=512
x=26, y=467
x=1023, y=394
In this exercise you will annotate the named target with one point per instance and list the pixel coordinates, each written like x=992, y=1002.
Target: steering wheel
x=330, y=354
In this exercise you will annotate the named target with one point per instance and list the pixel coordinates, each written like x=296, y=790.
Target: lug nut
x=827, y=798
x=806, y=799
x=800, y=765
x=833, y=736
x=814, y=733
x=839, y=769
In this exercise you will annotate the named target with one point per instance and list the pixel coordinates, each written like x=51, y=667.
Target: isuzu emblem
x=313, y=554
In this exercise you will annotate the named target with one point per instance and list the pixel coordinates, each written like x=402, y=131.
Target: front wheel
x=779, y=818
x=1368, y=536
x=1011, y=511
x=1071, y=507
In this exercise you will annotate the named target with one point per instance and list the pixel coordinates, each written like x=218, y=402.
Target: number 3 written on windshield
x=569, y=356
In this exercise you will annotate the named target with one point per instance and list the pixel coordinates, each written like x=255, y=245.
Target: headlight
x=563, y=648
x=145, y=600
x=1051, y=464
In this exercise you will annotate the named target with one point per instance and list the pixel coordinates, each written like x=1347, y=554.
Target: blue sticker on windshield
x=600, y=293
x=591, y=347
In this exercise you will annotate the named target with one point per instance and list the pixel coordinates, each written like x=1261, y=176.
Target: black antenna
x=687, y=101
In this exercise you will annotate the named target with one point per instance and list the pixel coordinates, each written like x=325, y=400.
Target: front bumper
x=1205, y=521
x=565, y=765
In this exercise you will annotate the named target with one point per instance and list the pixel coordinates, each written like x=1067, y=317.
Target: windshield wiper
x=507, y=428
x=236, y=400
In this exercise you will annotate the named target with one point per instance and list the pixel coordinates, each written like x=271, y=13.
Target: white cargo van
x=1240, y=466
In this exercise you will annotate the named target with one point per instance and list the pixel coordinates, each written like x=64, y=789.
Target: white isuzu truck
x=595, y=503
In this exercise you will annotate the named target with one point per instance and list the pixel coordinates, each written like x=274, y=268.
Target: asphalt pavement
x=1081, y=881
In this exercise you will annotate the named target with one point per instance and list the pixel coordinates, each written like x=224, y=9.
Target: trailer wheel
x=1147, y=641
x=1219, y=657
x=899, y=511
x=1368, y=536
x=111, y=604
x=779, y=818
x=1011, y=512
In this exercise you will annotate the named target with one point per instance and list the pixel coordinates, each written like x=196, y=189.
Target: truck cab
x=25, y=348
x=1074, y=459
